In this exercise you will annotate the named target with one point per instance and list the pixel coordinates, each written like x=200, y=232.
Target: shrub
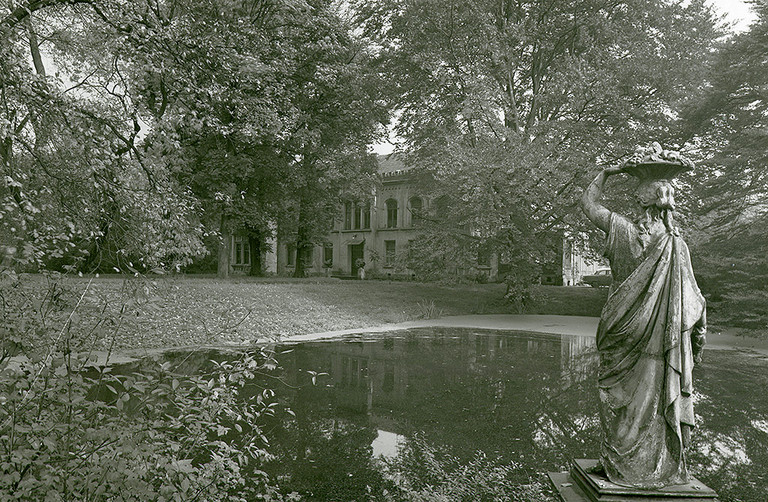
x=520, y=283
x=71, y=429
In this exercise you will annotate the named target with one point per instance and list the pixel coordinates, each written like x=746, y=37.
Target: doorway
x=356, y=251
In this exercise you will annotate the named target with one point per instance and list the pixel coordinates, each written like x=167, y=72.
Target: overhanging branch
x=21, y=12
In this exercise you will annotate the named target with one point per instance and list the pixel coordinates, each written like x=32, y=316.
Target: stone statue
x=651, y=332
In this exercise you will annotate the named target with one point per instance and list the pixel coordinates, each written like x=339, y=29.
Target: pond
x=477, y=414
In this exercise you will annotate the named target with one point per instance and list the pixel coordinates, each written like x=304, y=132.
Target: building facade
x=375, y=234
x=371, y=233
x=576, y=264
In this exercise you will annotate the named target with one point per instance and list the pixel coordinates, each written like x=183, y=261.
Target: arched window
x=357, y=215
x=415, y=206
x=391, y=213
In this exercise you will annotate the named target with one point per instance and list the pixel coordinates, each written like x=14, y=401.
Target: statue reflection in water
x=651, y=329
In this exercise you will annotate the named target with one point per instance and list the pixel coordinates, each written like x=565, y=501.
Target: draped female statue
x=651, y=329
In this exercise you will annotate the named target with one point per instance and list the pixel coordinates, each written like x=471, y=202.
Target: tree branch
x=20, y=13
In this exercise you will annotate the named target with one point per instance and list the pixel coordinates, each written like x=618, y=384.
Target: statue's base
x=579, y=485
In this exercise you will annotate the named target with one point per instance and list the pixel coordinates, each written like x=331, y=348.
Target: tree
x=258, y=97
x=510, y=105
x=726, y=127
x=335, y=91
x=207, y=82
x=75, y=183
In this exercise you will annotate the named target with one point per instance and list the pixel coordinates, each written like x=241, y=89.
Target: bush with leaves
x=73, y=428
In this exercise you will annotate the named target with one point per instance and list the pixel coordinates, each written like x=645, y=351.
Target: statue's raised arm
x=596, y=212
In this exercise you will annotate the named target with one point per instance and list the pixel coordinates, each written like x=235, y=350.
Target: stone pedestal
x=579, y=485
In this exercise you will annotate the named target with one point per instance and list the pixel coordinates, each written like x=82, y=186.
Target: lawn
x=178, y=311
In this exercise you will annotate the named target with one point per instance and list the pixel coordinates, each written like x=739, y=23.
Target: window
x=367, y=215
x=484, y=256
x=347, y=215
x=389, y=253
x=328, y=255
x=389, y=379
x=391, y=213
x=241, y=251
x=415, y=207
x=357, y=217
x=290, y=260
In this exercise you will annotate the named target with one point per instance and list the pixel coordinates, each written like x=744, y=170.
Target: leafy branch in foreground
x=75, y=428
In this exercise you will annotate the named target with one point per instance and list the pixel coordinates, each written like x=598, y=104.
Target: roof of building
x=392, y=164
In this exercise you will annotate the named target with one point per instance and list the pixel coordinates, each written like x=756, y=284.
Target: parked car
x=600, y=279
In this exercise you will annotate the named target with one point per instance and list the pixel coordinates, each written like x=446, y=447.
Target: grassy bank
x=175, y=311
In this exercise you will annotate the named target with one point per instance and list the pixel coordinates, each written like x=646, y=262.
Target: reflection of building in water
x=577, y=358
x=411, y=382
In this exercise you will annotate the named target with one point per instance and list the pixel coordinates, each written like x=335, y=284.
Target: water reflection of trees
x=730, y=450
x=527, y=402
x=509, y=395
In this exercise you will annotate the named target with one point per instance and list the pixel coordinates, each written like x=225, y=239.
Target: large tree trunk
x=254, y=241
x=41, y=123
x=224, y=251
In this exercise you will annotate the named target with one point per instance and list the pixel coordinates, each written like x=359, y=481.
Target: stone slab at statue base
x=579, y=485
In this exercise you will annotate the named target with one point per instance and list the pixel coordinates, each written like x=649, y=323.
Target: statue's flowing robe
x=646, y=360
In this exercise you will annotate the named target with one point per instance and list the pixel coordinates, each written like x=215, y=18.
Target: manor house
x=375, y=234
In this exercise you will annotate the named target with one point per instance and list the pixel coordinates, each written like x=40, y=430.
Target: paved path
x=555, y=324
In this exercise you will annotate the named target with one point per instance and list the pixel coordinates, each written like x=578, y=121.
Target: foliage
x=732, y=275
x=77, y=191
x=520, y=292
x=725, y=126
x=429, y=310
x=183, y=119
x=336, y=95
x=508, y=106
x=73, y=428
x=440, y=254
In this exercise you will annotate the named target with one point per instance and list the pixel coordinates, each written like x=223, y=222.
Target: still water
x=479, y=414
